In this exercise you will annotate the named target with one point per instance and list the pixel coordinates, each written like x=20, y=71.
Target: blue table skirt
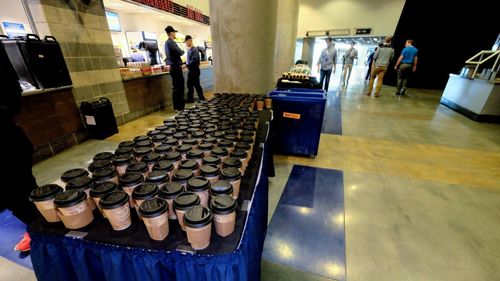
x=63, y=258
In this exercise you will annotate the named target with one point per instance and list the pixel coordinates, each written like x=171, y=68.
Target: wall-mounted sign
x=113, y=21
x=176, y=9
x=13, y=29
x=361, y=31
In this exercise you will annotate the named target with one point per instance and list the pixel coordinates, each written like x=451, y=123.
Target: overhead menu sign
x=168, y=6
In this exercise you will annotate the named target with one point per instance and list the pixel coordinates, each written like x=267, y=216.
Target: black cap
x=153, y=208
x=145, y=191
x=99, y=164
x=169, y=29
x=45, y=192
x=70, y=198
x=182, y=175
x=197, y=217
x=104, y=173
x=198, y=184
x=139, y=167
x=186, y=200
x=127, y=144
x=81, y=183
x=124, y=150
x=231, y=162
x=131, y=179
x=114, y=200
x=209, y=170
x=164, y=165
x=188, y=37
x=124, y=159
x=103, y=188
x=170, y=190
x=73, y=173
x=230, y=174
x=221, y=187
x=223, y=204
x=157, y=177
x=189, y=164
x=104, y=156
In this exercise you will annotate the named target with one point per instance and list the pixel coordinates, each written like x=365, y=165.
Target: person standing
x=369, y=62
x=19, y=152
x=173, y=59
x=347, y=62
x=193, y=65
x=406, y=64
x=326, y=63
x=383, y=56
x=136, y=56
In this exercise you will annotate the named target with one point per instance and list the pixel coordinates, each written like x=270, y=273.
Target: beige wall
x=381, y=15
x=12, y=11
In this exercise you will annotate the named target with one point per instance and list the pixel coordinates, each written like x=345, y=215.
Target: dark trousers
x=324, y=75
x=177, y=87
x=16, y=168
x=193, y=82
x=404, y=72
x=369, y=71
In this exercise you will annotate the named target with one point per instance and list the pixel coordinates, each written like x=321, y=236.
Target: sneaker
x=396, y=93
x=376, y=95
x=24, y=244
x=369, y=93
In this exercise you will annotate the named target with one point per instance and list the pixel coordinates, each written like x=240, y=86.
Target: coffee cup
x=166, y=166
x=175, y=157
x=139, y=167
x=182, y=176
x=224, y=214
x=128, y=182
x=182, y=203
x=84, y=184
x=159, y=178
x=101, y=189
x=121, y=162
x=232, y=175
x=141, y=151
x=195, y=154
x=43, y=197
x=191, y=165
x=232, y=162
x=183, y=149
x=151, y=159
x=154, y=213
x=198, y=222
x=117, y=208
x=142, y=192
x=105, y=174
x=73, y=209
x=212, y=160
x=206, y=147
x=168, y=192
x=242, y=155
x=220, y=152
x=73, y=174
x=201, y=187
x=210, y=172
x=221, y=187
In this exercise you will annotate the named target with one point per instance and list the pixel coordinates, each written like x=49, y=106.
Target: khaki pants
x=378, y=72
x=347, y=73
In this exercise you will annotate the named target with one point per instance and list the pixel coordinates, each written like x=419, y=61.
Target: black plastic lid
x=193, y=128
x=104, y=173
x=197, y=134
x=157, y=177
x=183, y=148
x=231, y=138
x=171, y=142
x=198, y=217
x=191, y=142
x=143, y=150
x=140, y=167
x=231, y=133
x=246, y=139
x=99, y=164
x=247, y=133
x=104, y=156
x=143, y=144
x=226, y=143
x=123, y=159
x=195, y=154
x=209, y=130
x=186, y=200
x=145, y=191
x=249, y=127
x=45, y=192
x=161, y=128
x=223, y=127
x=230, y=174
x=170, y=190
x=114, y=200
x=103, y=188
x=126, y=150
x=223, y=204
x=182, y=175
x=231, y=162
x=70, y=198
x=242, y=146
x=73, y=174
x=140, y=138
x=154, y=133
x=180, y=135
x=212, y=140
x=162, y=149
x=172, y=156
x=81, y=183
x=158, y=137
x=206, y=146
x=211, y=160
x=198, y=184
x=153, y=207
x=217, y=134
x=131, y=178
x=220, y=151
x=152, y=157
x=239, y=153
x=163, y=165
x=209, y=170
x=170, y=131
x=189, y=164
x=221, y=187
x=126, y=144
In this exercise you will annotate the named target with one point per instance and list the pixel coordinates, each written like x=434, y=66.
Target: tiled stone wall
x=85, y=40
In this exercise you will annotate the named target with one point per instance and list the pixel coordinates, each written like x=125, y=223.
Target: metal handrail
x=481, y=60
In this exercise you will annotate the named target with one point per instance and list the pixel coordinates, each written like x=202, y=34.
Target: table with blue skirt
x=97, y=252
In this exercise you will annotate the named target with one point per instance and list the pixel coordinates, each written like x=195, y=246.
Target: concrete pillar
x=308, y=49
x=243, y=40
x=286, y=35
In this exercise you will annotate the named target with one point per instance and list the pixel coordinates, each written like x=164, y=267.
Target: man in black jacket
x=173, y=59
x=17, y=152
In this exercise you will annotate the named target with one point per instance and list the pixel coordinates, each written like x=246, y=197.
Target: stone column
x=307, y=50
x=286, y=36
x=243, y=40
x=85, y=40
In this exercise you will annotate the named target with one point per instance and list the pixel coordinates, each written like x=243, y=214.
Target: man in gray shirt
x=326, y=63
x=348, y=61
x=381, y=60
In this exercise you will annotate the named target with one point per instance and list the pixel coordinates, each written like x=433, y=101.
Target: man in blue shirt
x=407, y=63
x=173, y=59
x=193, y=64
x=136, y=57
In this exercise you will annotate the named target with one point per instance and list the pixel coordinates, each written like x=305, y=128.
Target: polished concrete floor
x=420, y=185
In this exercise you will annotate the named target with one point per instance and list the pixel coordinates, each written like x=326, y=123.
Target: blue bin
x=298, y=118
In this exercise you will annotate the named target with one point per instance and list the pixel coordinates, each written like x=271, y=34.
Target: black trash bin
x=99, y=118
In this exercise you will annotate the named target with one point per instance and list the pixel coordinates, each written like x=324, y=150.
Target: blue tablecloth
x=59, y=257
